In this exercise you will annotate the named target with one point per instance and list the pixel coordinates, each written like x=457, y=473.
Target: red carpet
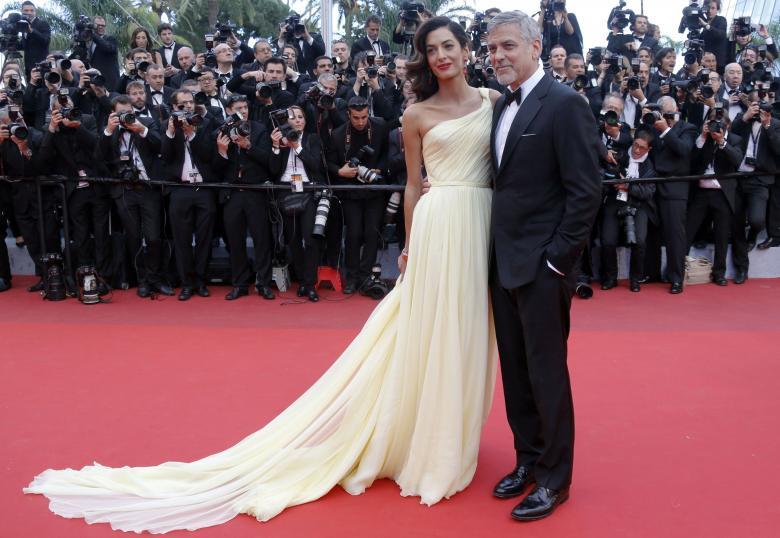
x=677, y=401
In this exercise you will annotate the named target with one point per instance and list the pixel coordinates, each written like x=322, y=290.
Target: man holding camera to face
x=368, y=85
x=324, y=111
x=637, y=91
x=243, y=157
x=269, y=94
x=188, y=151
x=36, y=37
x=129, y=145
x=308, y=46
x=357, y=155
x=103, y=53
x=371, y=41
x=46, y=84
x=137, y=61
x=92, y=97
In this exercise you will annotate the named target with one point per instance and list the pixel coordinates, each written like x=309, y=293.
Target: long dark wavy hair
x=424, y=84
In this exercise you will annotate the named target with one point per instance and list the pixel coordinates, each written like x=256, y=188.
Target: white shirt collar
x=528, y=86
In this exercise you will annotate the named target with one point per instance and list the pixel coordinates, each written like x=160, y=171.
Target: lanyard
x=755, y=139
x=348, y=138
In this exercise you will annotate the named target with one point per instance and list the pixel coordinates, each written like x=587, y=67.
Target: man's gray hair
x=667, y=100
x=326, y=77
x=529, y=28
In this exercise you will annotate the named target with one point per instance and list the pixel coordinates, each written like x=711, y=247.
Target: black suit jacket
x=70, y=150
x=308, y=53
x=724, y=161
x=202, y=150
x=310, y=156
x=337, y=156
x=166, y=93
x=547, y=185
x=365, y=44
x=108, y=152
x=106, y=59
x=174, y=59
x=672, y=157
x=768, y=147
x=36, y=44
x=716, y=41
x=617, y=44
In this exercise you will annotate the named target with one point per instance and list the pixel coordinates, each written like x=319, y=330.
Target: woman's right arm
x=413, y=153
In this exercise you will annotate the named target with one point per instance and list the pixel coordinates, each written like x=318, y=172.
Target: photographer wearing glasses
x=188, y=151
x=130, y=145
x=250, y=74
x=296, y=159
x=357, y=155
x=369, y=85
x=324, y=111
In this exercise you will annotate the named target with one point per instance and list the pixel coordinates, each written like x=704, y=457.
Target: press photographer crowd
x=284, y=112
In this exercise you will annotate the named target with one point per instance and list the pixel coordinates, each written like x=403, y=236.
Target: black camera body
x=293, y=26
x=235, y=125
x=691, y=15
x=268, y=89
x=223, y=31
x=609, y=118
x=84, y=29
x=18, y=130
x=70, y=113
x=365, y=174
x=627, y=212
x=318, y=95
x=620, y=17
x=184, y=116
x=411, y=11
x=743, y=27
x=126, y=118
x=126, y=169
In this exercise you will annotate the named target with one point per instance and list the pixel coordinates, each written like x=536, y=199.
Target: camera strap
x=348, y=137
x=755, y=138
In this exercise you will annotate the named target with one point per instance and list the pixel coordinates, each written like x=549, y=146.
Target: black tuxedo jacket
x=547, y=185
x=108, y=152
x=724, y=161
x=768, y=150
x=37, y=102
x=365, y=44
x=310, y=156
x=245, y=166
x=166, y=95
x=716, y=41
x=36, y=44
x=672, y=157
x=174, y=59
x=617, y=44
x=337, y=156
x=106, y=59
x=202, y=150
x=69, y=150
x=323, y=122
x=89, y=103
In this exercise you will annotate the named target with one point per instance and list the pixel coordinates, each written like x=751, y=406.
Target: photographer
x=137, y=61
x=92, y=97
x=760, y=134
x=629, y=45
x=559, y=27
x=637, y=91
x=324, y=111
x=36, y=37
x=271, y=94
x=665, y=60
x=69, y=146
x=615, y=134
x=629, y=206
x=343, y=65
x=296, y=159
x=188, y=151
x=371, y=41
x=250, y=74
x=672, y=151
x=698, y=103
x=242, y=54
x=718, y=151
x=741, y=37
x=322, y=65
x=363, y=210
x=19, y=156
x=130, y=144
x=45, y=85
x=103, y=54
x=732, y=93
x=186, y=57
x=245, y=160
x=411, y=16
x=368, y=85
x=307, y=46
x=714, y=33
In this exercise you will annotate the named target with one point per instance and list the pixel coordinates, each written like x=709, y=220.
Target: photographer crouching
x=356, y=156
x=296, y=160
x=245, y=161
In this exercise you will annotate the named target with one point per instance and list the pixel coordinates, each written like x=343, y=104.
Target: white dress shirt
x=189, y=171
x=168, y=50
x=752, y=148
x=294, y=164
x=710, y=183
x=124, y=145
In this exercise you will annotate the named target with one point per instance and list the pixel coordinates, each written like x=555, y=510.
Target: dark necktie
x=513, y=96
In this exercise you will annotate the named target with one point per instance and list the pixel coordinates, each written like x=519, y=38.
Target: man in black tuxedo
x=157, y=93
x=629, y=44
x=169, y=50
x=188, y=151
x=307, y=46
x=36, y=39
x=363, y=210
x=244, y=158
x=547, y=195
x=130, y=150
x=671, y=154
x=635, y=97
x=93, y=99
x=186, y=61
x=103, y=53
x=371, y=42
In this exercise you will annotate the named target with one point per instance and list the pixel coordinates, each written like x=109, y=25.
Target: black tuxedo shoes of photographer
x=145, y=290
x=676, y=288
x=311, y=294
x=235, y=293
x=540, y=503
x=265, y=292
x=514, y=483
x=769, y=242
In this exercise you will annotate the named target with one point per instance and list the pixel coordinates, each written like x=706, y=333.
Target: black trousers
x=773, y=211
x=610, y=232
x=248, y=210
x=27, y=215
x=673, y=222
x=304, y=247
x=532, y=329
x=712, y=202
x=5, y=262
x=363, y=220
x=7, y=209
x=192, y=211
x=89, y=210
x=140, y=212
x=334, y=233
x=750, y=204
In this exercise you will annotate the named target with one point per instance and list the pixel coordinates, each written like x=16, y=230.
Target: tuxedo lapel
x=528, y=110
x=497, y=110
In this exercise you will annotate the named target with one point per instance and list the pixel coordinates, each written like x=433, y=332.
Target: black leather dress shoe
x=235, y=293
x=301, y=291
x=608, y=284
x=38, y=286
x=203, y=291
x=103, y=289
x=164, y=289
x=720, y=280
x=740, y=277
x=266, y=293
x=185, y=294
x=769, y=242
x=4, y=285
x=634, y=286
x=514, y=483
x=540, y=503
x=312, y=295
x=349, y=289
x=143, y=291
x=676, y=288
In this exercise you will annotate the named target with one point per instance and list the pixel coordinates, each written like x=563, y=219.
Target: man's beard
x=506, y=79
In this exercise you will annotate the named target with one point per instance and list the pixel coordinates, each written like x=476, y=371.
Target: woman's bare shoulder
x=494, y=95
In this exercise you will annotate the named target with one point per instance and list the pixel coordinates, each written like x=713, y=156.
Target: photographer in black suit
x=188, y=151
x=362, y=210
x=68, y=147
x=244, y=158
x=672, y=152
x=307, y=45
x=92, y=97
x=718, y=151
x=629, y=44
x=324, y=111
x=371, y=41
x=714, y=33
x=103, y=53
x=36, y=39
x=760, y=134
x=130, y=149
x=298, y=159
x=636, y=95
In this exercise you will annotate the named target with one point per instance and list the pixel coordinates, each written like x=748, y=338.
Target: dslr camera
x=268, y=89
x=633, y=81
x=742, y=27
x=126, y=169
x=223, y=31
x=716, y=125
x=280, y=118
x=365, y=174
x=318, y=95
x=235, y=126
x=293, y=27
x=180, y=117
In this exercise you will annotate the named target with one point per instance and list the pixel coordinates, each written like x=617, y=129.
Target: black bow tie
x=157, y=93
x=169, y=47
x=513, y=96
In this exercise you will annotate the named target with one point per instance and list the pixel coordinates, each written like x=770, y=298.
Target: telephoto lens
x=321, y=215
x=18, y=130
x=391, y=211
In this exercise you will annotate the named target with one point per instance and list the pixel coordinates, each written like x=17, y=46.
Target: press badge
x=82, y=184
x=297, y=182
x=622, y=196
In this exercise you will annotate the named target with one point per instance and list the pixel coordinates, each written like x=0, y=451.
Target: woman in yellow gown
x=408, y=397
